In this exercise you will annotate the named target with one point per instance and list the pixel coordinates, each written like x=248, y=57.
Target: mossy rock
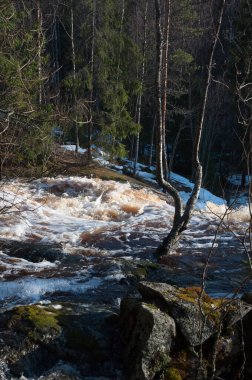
x=197, y=315
x=140, y=273
x=172, y=373
x=36, y=322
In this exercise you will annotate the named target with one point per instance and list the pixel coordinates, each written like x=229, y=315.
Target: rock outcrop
x=46, y=342
x=177, y=333
x=147, y=342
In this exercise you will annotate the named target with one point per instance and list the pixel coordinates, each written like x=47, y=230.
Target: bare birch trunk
x=90, y=125
x=165, y=80
x=175, y=144
x=56, y=53
x=139, y=100
x=77, y=144
x=120, y=45
x=181, y=217
x=40, y=48
x=152, y=140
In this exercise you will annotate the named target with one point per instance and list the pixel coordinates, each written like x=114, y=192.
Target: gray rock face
x=182, y=333
x=148, y=334
x=197, y=316
x=193, y=324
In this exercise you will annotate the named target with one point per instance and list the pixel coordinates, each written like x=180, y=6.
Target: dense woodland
x=88, y=68
x=167, y=83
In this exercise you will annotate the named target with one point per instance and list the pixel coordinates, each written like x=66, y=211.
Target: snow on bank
x=236, y=179
x=207, y=201
x=72, y=148
x=205, y=196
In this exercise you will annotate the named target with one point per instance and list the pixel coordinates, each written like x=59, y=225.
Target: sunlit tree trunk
x=152, y=140
x=55, y=56
x=90, y=124
x=40, y=48
x=139, y=98
x=165, y=79
x=181, y=216
x=77, y=143
x=120, y=43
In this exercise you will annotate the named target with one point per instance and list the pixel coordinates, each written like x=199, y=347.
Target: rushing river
x=73, y=234
x=79, y=243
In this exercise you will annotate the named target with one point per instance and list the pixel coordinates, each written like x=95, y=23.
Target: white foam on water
x=62, y=209
x=33, y=289
x=241, y=214
x=13, y=265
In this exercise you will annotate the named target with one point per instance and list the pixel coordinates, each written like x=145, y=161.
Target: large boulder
x=197, y=315
x=174, y=333
x=148, y=334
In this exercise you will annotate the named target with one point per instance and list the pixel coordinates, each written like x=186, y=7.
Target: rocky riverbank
x=174, y=333
x=163, y=332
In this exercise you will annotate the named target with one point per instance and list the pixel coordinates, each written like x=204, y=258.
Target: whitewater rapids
x=105, y=222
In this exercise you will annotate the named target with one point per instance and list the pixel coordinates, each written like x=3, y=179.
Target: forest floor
x=67, y=163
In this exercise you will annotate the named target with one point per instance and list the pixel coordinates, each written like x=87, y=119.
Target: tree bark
x=165, y=80
x=152, y=140
x=139, y=99
x=77, y=143
x=90, y=124
x=40, y=47
x=181, y=217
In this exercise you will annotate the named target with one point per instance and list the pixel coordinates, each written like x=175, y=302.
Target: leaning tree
x=182, y=215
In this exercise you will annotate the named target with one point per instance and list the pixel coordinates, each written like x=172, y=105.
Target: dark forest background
x=84, y=71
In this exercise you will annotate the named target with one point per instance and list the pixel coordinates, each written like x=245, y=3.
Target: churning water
x=72, y=234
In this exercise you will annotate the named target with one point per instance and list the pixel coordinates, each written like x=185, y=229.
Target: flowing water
x=76, y=238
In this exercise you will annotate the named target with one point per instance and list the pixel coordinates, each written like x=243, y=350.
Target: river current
x=81, y=244
x=73, y=235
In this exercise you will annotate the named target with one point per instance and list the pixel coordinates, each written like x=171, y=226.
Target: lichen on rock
x=174, y=333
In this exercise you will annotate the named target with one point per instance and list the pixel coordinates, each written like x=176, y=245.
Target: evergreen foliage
x=76, y=65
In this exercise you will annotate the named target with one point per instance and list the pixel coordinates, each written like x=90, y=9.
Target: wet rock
x=34, y=252
x=62, y=371
x=34, y=338
x=197, y=315
x=25, y=333
x=148, y=343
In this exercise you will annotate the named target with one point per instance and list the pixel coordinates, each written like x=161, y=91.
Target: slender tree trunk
x=77, y=143
x=152, y=140
x=40, y=48
x=165, y=80
x=139, y=100
x=181, y=217
x=159, y=59
x=190, y=106
x=175, y=144
x=120, y=45
x=55, y=54
x=90, y=124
